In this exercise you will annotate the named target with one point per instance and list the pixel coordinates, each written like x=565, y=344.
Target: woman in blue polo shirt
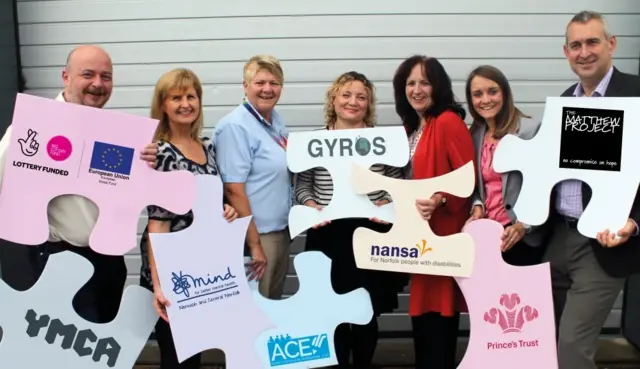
x=251, y=150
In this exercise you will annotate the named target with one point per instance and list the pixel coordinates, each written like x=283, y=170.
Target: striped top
x=315, y=184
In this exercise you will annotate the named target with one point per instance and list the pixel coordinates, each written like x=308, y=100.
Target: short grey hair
x=584, y=17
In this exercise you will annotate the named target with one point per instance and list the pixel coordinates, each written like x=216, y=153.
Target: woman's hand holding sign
x=313, y=204
x=380, y=203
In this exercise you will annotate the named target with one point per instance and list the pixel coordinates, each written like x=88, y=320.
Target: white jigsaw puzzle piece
x=538, y=159
x=42, y=330
x=306, y=321
x=202, y=274
x=336, y=152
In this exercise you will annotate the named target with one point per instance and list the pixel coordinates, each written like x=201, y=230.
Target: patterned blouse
x=413, y=143
x=170, y=158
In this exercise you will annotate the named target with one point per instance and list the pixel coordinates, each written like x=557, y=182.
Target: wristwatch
x=527, y=228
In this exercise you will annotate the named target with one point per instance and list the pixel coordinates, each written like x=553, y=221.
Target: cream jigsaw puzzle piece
x=411, y=246
x=591, y=140
x=202, y=274
x=306, y=321
x=336, y=150
x=42, y=330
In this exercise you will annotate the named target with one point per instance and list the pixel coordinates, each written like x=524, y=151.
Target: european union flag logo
x=111, y=158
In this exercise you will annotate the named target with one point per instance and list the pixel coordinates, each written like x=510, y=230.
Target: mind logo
x=204, y=290
x=414, y=252
x=512, y=317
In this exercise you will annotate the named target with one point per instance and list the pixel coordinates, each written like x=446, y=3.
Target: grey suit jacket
x=511, y=181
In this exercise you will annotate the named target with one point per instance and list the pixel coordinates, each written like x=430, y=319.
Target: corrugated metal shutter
x=316, y=41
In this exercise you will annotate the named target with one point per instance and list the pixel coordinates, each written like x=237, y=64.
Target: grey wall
x=13, y=258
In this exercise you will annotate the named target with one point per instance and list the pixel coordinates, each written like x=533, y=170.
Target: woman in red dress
x=440, y=143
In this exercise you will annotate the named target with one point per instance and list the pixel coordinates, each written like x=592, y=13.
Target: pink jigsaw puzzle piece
x=59, y=148
x=510, y=308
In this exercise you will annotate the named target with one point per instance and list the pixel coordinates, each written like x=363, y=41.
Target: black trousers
x=522, y=254
x=168, y=355
x=98, y=301
x=435, y=340
x=357, y=342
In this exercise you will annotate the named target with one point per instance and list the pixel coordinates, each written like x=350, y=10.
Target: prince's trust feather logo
x=413, y=255
x=511, y=318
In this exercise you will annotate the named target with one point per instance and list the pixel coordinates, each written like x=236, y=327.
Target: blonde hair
x=179, y=79
x=263, y=62
x=330, y=115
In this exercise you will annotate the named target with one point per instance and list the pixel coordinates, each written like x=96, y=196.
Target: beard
x=94, y=97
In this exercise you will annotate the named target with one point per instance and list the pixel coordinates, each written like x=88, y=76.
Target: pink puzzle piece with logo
x=59, y=148
x=510, y=308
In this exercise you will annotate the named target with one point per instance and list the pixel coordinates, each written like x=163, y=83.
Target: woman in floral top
x=176, y=104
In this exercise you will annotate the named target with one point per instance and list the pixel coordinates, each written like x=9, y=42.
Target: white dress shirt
x=71, y=217
x=569, y=198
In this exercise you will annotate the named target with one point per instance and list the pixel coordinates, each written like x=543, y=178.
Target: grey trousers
x=583, y=296
x=275, y=246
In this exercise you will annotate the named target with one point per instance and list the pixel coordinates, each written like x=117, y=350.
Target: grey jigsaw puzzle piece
x=42, y=330
x=306, y=321
x=211, y=303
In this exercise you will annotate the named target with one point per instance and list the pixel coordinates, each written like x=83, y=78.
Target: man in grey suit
x=588, y=274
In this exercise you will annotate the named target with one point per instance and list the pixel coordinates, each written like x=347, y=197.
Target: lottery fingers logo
x=29, y=146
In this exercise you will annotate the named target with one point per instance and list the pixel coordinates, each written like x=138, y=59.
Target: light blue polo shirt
x=247, y=153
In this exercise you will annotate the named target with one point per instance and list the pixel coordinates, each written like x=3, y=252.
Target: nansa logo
x=414, y=252
x=287, y=350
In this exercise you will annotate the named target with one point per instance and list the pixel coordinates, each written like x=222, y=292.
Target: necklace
x=414, y=139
